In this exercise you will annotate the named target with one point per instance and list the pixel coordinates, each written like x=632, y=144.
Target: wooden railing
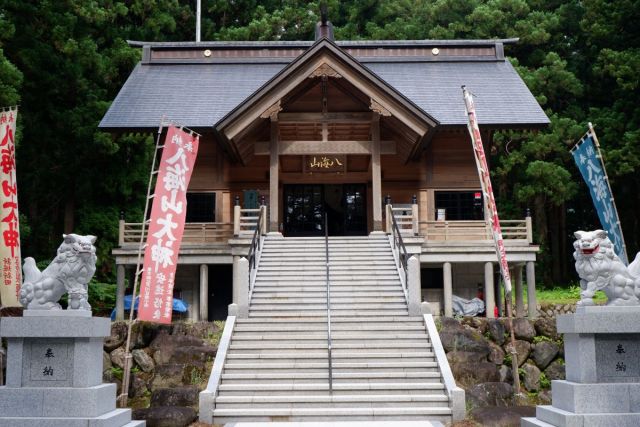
x=518, y=229
x=197, y=233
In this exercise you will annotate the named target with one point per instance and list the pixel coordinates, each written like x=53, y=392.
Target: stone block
x=55, y=327
x=591, y=398
x=57, y=401
x=601, y=319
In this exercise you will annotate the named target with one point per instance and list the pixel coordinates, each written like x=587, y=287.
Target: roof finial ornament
x=324, y=28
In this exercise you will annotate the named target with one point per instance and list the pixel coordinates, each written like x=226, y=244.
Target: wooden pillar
x=273, y=174
x=531, y=289
x=517, y=278
x=489, y=294
x=120, y=288
x=204, y=292
x=448, y=289
x=376, y=176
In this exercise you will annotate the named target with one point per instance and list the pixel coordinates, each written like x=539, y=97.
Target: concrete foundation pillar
x=204, y=292
x=241, y=287
x=531, y=289
x=120, y=281
x=489, y=295
x=413, y=287
x=234, y=293
x=448, y=289
x=517, y=280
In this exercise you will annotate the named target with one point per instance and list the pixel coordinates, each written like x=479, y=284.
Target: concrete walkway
x=343, y=424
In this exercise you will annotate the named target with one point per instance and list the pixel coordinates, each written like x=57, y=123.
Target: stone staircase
x=276, y=366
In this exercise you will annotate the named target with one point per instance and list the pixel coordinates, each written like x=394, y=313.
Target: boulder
x=523, y=329
x=555, y=371
x=473, y=373
x=106, y=361
x=166, y=416
x=137, y=386
x=144, y=361
x=143, y=333
x=117, y=357
x=496, y=330
x=546, y=327
x=490, y=394
x=530, y=377
x=464, y=340
x=495, y=416
x=465, y=357
x=544, y=397
x=195, y=356
x=544, y=352
x=164, y=346
x=176, y=396
x=505, y=374
x=496, y=354
x=523, y=348
x=449, y=323
x=201, y=330
x=477, y=323
x=112, y=342
x=168, y=375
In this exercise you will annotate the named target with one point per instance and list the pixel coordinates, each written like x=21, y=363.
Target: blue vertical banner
x=587, y=156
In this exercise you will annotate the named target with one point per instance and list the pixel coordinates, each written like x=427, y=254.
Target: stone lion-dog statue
x=69, y=272
x=600, y=269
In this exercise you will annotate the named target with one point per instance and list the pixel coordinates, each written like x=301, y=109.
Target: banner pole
x=491, y=217
x=592, y=131
x=126, y=375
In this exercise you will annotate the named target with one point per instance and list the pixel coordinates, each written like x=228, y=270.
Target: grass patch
x=570, y=295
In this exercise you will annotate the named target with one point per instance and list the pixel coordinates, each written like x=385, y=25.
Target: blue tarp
x=178, y=305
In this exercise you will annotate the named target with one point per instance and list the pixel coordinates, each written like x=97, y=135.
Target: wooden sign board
x=321, y=163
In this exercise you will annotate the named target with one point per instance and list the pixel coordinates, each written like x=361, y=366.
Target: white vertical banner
x=10, y=262
x=491, y=211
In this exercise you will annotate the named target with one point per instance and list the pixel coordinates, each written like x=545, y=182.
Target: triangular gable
x=323, y=58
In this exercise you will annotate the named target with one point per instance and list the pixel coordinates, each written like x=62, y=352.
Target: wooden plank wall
x=447, y=164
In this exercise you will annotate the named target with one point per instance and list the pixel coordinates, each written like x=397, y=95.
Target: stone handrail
x=455, y=393
x=207, y=399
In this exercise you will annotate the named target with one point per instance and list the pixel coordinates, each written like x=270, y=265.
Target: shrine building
x=356, y=130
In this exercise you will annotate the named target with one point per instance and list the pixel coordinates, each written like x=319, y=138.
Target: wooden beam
x=330, y=147
x=345, y=117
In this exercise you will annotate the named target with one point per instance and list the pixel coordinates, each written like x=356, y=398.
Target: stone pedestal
x=54, y=372
x=602, y=386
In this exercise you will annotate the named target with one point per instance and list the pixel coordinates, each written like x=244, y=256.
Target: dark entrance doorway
x=306, y=204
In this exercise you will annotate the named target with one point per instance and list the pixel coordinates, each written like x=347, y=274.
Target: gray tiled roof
x=199, y=95
x=501, y=97
x=194, y=95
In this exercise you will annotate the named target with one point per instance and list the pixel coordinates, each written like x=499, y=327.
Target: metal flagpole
x=124, y=393
x=606, y=178
x=491, y=216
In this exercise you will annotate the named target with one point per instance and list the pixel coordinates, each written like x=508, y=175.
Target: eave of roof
x=306, y=44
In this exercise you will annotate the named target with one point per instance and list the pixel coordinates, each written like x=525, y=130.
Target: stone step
x=337, y=376
x=335, y=283
x=221, y=416
x=320, y=266
x=265, y=346
x=341, y=356
x=355, y=274
x=355, y=314
x=256, y=327
x=336, y=336
x=342, y=386
x=322, y=293
x=335, y=299
x=315, y=401
x=389, y=366
x=380, y=317
x=304, y=258
x=286, y=305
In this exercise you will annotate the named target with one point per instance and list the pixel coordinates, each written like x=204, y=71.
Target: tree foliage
x=65, y=60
